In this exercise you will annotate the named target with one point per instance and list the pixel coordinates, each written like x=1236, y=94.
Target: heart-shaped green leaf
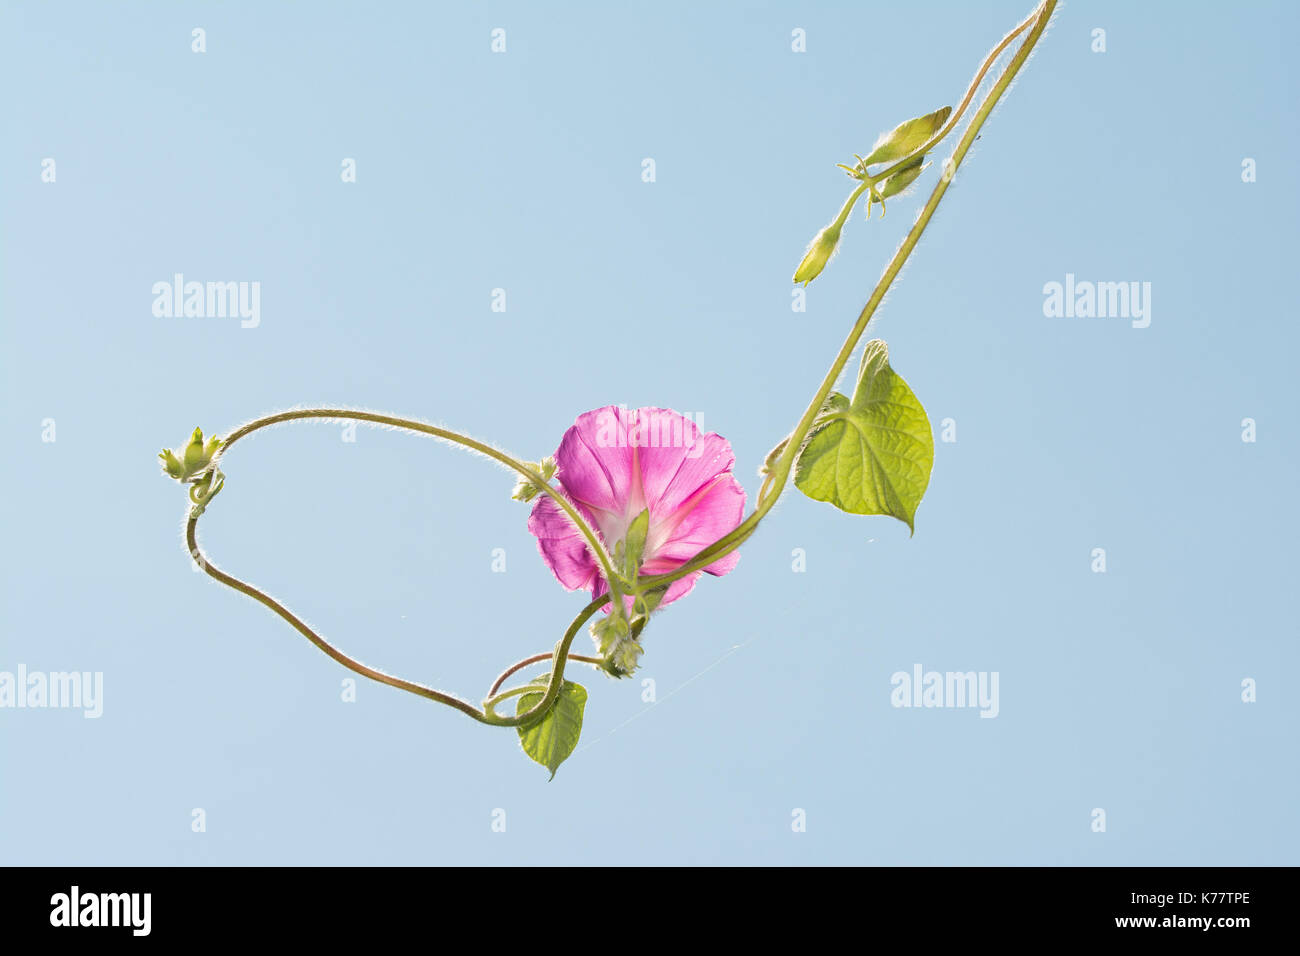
x=871, y=455
x=553, y=738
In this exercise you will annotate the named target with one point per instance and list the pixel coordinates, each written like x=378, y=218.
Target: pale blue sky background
x=522, y=171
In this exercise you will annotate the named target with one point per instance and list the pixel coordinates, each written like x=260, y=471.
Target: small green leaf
x=871, y=455
x=907, y=137
x=551, y=740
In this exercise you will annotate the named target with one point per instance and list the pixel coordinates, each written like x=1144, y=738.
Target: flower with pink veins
x=612, y=465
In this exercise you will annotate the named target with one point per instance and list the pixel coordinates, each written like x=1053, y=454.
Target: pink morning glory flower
x=614, y=463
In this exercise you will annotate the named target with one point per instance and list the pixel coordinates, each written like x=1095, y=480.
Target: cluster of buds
x=901, y=143
x=615, y=644
x=618, y=635
x=194, y=467
x=527, y=489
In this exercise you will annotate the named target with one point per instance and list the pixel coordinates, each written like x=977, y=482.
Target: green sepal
x=632, y=547
x=171, y=464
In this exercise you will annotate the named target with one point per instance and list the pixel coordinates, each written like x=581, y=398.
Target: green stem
x=489, y=705
x=971, y=90
x=775, y=479
x=536, y=659
x=847, y=209
x=483, y=716
x=779, y=473
x=191, y=534
x=593, y=539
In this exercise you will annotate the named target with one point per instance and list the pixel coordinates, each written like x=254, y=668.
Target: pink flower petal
x=712, y=512
x=563, y=547
x=671, y=475
x=594, y=460
x=613, y=463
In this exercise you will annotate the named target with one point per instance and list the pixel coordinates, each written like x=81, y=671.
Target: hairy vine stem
x=779, y=465
x=779, y=473
x=486, y=715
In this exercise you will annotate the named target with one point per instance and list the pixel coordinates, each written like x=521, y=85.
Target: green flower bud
x=770, y=461
x=195, y=458
x=526, y=490
x=819, y=253
x=616, y=645
x=907, y=138
x=896, y=183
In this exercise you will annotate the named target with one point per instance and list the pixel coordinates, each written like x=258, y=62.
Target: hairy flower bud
x=895, y=184
x=526, y=490
x=195, y=458
x=906, y=138
x=819, y=253
x=616, y=645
